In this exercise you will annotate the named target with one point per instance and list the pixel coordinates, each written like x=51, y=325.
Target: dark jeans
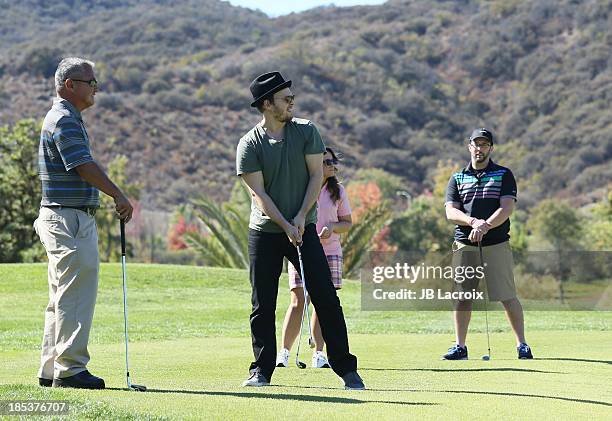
x=266, y=252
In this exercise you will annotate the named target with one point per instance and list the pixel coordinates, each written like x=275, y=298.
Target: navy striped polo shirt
x=64, y=145
x=478, y=194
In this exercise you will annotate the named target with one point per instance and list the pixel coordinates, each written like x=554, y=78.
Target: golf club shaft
x=486, y=298
x=305, y=294
x=125, y=317
x=304, y=310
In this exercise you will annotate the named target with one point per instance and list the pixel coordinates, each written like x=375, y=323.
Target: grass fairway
x=190, y=345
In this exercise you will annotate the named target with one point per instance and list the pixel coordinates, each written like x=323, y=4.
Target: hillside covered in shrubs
x=397, y=86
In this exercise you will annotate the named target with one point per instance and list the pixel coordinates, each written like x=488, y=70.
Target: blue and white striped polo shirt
x=64, y=145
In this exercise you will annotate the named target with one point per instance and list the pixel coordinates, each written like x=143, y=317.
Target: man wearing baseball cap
x=479, y=200
x=281, y=162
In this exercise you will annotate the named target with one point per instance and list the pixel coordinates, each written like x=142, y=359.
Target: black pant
x=266, y=252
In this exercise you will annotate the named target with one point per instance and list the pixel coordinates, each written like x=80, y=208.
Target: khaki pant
x=498, y=269
x=70, y=238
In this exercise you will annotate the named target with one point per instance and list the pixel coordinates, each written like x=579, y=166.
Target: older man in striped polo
x=70, y=182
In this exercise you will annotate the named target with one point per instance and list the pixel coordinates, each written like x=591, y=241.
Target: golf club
x=130, y=385
x=488, y=356
x=305, y=310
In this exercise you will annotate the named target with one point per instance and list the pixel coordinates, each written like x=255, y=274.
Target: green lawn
x=191, y=347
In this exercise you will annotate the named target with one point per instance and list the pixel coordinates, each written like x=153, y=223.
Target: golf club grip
x=122, y=225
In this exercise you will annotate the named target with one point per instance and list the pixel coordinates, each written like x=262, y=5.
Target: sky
x=275, y=8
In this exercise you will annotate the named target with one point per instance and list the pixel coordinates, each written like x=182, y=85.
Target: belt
x=89, y=211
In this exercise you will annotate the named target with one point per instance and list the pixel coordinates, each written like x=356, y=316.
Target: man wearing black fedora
x=280, y=160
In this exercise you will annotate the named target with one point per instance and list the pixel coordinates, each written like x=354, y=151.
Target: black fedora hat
x=267, y=84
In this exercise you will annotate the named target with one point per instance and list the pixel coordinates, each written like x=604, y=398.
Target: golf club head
x=311, y=343
x=486, y=357
x=138, y=387
x=301, y=364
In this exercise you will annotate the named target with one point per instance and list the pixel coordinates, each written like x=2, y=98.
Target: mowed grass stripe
x=191, y=347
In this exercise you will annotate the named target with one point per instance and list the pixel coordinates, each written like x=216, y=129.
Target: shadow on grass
x=581, y=360
x=444, y=370
x=475, y=392
x=521, y=395
x=280, y=396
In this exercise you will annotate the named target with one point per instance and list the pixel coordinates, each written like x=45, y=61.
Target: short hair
x=70, y=67
x=261, y=101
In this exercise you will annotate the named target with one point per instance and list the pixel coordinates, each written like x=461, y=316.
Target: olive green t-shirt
x=283, y=164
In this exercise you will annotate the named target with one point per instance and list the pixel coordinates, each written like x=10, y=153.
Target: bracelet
x=471, y=222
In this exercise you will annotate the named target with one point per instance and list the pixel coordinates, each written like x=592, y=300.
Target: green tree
x=558, y=224
x=388, y=183
x=20, y=191
x=518, y=233
x=106, y=218
x=600, y=227
x=422, y=227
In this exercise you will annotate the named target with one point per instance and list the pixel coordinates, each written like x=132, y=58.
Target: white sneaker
x=256, y=380
x=282, y=358
x=319, y=360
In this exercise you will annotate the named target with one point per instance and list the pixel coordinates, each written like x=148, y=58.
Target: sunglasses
x=93, y=83
x=330, y=161
x=287, y=99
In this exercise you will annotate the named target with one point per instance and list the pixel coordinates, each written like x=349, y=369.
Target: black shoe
x=456, y=353
x=524, y=352
x=45, y=382
x=82, y=380
x=352, y=381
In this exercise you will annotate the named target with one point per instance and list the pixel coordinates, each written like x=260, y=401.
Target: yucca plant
x=356, y=243
x=226, y=242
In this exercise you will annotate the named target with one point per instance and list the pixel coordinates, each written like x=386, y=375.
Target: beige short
x=498, y=269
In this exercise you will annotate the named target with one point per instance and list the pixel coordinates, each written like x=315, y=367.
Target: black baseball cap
x=482, y=132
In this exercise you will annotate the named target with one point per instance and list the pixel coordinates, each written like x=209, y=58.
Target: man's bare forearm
x=457, y=216
x=94, y=175
x=499, y=216
x=267, y=205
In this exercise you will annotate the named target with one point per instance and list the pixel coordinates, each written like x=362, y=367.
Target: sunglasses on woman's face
x=330, y=162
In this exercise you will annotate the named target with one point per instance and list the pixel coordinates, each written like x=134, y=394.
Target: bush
x=20, y=189
x=374, y=133
x=155, y=85
x=175, y=100
x=532, y=286
x=310, y=103
x=39, y=60
x=109, y=101
x=396, y=162
x=129, y=78
x=229, y=95
x=411, y=107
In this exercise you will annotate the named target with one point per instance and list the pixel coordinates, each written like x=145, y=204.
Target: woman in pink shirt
x=333, y=218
